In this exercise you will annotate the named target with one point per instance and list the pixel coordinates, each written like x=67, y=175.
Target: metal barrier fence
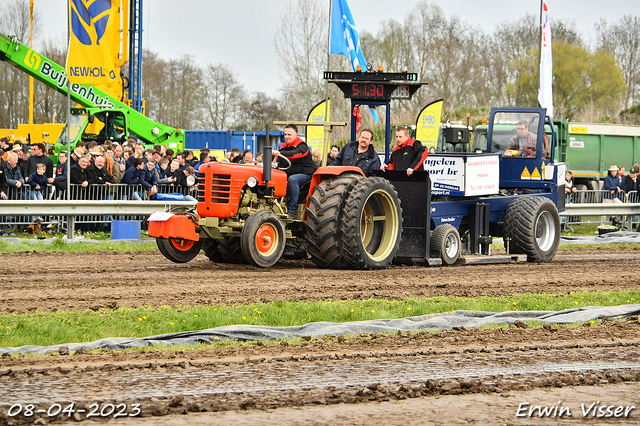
x=98, y=205
x=600, y=206
x=99, y=222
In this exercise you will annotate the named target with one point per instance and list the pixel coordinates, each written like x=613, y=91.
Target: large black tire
x=323, y=219
x=532, y=225
x=230, y=250
x=210, y=248
x=371, y=224
x=445, y=241
x=263, y=239
x=179, y=250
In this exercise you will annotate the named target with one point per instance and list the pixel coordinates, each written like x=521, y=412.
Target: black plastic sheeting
x=446, y=320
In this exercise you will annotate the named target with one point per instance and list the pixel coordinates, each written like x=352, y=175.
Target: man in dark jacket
x=13, y=175
x=3, y=184
x=630, y=184
x=38, y=156
x=59, y=179
x=79, y=175
x=359, y=153
x=302, y=166
x=98, y=173
x=409, y=154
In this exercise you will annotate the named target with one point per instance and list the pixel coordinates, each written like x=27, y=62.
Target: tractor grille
x=220, y=189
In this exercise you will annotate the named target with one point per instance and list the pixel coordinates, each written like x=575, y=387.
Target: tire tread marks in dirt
x=323, y=219
x=520, y=222
x=352, y=247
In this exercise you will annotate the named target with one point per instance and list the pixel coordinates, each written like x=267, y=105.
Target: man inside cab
x=524, y=141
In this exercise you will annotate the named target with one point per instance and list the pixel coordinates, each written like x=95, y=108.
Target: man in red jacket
x=409, y=154
x=302, y=165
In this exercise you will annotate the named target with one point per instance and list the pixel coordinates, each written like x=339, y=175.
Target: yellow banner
x=92, y=53
x=428, y=124
x=315, y=134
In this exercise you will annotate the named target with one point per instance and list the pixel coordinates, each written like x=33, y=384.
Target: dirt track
x=457, y=376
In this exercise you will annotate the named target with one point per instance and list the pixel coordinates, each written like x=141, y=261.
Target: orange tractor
x=346, y=220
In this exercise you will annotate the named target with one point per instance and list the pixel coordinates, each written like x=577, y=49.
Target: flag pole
x=327, y=129
x=540, y=50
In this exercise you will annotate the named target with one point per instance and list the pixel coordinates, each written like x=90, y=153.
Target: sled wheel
x=445, y=240
x=263, y=239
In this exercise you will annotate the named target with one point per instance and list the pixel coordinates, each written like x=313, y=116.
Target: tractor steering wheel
x=285, y=159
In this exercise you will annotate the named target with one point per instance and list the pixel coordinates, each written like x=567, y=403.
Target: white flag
x=545, y=94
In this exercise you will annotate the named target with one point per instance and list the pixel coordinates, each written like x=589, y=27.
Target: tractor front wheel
x=179, y=250
x=263, y=239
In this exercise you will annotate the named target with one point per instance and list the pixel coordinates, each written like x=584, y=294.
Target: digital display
x=370, y=91
x=377, y=90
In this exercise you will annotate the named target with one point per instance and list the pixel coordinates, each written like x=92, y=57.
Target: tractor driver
x=302, y=167
x=409, y=154
x=524, y=141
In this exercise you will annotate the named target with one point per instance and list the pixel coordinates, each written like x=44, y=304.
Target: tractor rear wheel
x=323, y=219
x=532, y=225
x=371, y=224
x=263, y=239
x=445, y=241
x=179, y=250
x=210, y=248
x=230, y=250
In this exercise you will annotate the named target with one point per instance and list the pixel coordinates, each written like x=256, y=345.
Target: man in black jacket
x=409, y=154
x=302, y=166
x=359, y=153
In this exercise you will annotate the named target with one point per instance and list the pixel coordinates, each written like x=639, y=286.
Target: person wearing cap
x=156, y=156
x=76, y=155
x=612, y=184
x=630, y=184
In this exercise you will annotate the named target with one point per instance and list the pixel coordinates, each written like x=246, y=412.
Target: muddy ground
x=452, y=377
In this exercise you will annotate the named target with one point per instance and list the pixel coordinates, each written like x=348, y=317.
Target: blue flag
x=344, y=36
x=345, y=40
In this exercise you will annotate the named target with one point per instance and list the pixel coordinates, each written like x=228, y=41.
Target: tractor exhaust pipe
x=267, y=157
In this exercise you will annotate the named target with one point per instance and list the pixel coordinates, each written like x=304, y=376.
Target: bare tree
x=14, y=84
x=301, y=46
x=222, y=96
x=623, y=41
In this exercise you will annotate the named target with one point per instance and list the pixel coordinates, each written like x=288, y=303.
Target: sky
x=241, y=32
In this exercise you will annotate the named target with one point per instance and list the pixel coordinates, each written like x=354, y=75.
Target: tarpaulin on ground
x=610, y=238
x=446, y=320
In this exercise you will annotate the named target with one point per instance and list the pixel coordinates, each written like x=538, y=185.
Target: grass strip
x=51, y=328
x=60, y=245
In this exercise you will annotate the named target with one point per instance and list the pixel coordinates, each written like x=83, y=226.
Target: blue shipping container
x=227, y=140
